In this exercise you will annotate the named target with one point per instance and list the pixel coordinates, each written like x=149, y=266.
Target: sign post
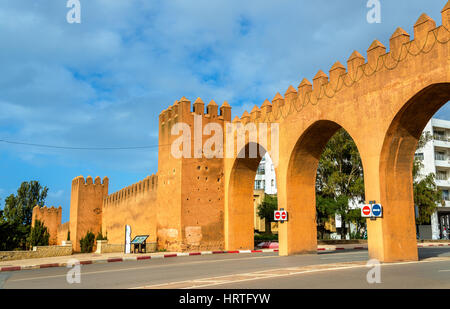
x=127, y=239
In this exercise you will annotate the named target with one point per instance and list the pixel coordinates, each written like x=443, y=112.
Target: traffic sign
x=377, y=210
x=371, y=211
x=281, y=215
x=277, y=215
x=366, y=211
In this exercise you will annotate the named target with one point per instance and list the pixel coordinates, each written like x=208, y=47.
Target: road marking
x=342, y=257
x=273, y=273
x=148, y=267
x=191, y=284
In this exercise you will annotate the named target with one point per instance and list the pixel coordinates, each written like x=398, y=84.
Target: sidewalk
x=83, y=258
x=93, y=258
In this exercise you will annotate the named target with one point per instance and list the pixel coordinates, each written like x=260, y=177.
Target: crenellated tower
x=51, y=218
x=190, y=182
x=86, y=207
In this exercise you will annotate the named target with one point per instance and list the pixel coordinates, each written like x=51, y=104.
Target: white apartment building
x=435, y=156
x=265, y=176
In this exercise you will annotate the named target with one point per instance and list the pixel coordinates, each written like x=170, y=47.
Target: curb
x=433, y=245
x=148, y=257
x=137, y=258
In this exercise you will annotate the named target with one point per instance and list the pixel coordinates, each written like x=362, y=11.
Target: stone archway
x=239, y=211
x=300, y=235
x=396, y=162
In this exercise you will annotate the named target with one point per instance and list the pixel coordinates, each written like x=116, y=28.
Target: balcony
x=443, y=183
x=442, y=163
x=441, y=141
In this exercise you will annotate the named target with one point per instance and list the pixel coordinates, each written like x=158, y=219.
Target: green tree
x=340, y=179
x=427, y=195
x=266, y=211
x=19, y=208
x=8, y=236
x=39, y=235
x=15, y=222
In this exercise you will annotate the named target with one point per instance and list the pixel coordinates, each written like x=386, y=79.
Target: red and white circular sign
x=366, y=210
x=277, y=215
x=283, y=215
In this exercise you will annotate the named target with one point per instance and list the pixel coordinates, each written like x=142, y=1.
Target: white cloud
x=104, y=82
x=56, y=194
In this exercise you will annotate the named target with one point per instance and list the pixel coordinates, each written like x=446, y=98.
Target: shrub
x=101, y=237
x=87, y=242
x=39, y=235
x=266, y=237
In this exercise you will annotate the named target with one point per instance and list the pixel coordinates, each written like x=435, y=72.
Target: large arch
x=300, y=235
x=396, y=162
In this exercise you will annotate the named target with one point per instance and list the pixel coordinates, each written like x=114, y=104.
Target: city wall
x=134, y=205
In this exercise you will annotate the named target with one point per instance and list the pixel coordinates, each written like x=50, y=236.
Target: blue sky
x=103, y=83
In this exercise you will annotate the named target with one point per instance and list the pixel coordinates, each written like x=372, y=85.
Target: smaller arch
x=239, y=207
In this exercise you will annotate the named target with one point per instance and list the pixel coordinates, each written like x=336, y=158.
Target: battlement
x=46, y=210
x=89, y=181
x=149, y=184
x=426, y=35
x=183, y=111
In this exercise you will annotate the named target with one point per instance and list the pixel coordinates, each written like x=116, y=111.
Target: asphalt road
x=261, y=270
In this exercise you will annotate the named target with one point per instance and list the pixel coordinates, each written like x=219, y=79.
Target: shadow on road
x=425, y=253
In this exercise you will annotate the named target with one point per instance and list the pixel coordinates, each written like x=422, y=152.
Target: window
x=445, y=195
x=259, y=185
x=441, y=175
x=419, y=156
x=273, y=183
x=261, y=170
x=440, y=136
x=440, y=156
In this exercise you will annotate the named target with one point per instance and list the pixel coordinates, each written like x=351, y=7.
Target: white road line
x=343, y=257
x=285, y=275
x=274, y=276
x=310, y=271
x=148, y=267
